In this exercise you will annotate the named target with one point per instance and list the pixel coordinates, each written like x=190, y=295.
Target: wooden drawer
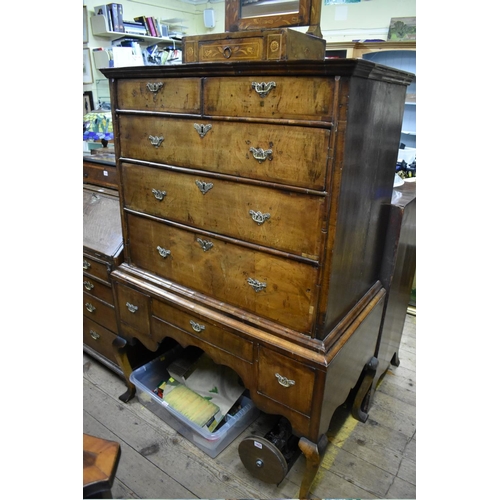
x=253, y=45
x=95, y=268
x=202, y=328
x=288, y=155
x=100, y=175
x=173, y=95
x=98, y=338
x=133, y=308
x=288, y=97
x=97, y=289
x=99, y=311
x=244, y=369
x=226, y=270
x=278, y=219
x=285, y=380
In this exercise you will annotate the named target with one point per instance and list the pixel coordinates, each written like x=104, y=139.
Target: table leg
x=119, y=345
x=313, y=453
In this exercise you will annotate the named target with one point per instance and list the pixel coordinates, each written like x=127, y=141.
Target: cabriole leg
x=119, y=345
x=313, y=453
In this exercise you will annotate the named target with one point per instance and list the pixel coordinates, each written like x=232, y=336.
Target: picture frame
x=88, y=102
x=85, y=25
x=402, y=29
x=87, y=67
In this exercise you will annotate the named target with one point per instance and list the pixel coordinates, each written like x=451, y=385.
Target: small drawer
x=134, y=309
x=267, y=97
x=95, y=268
x=208, y=331
x=294, y=156
x=279, y=219
x=172, y=95
x=243, y=49
x=100, y=175
x=285, y=380
x=99, y=311
x=97, y=289
x=275, y=287
x=99, y=338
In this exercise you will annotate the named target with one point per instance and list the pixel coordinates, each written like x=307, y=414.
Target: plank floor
x=376, y=459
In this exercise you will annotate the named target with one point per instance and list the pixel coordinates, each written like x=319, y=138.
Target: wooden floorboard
x=375, y=459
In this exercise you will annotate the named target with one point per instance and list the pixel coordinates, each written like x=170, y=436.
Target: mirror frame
x=309, y=14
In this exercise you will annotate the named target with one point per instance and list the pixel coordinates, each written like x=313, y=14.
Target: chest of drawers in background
x=251, y=196
x=102, y=252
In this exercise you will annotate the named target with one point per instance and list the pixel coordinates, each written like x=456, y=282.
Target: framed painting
x=88, y=102
x=85, y=25
x=402, y=29
x=87, y=67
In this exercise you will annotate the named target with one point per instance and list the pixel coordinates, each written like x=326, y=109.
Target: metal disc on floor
x=263, y=459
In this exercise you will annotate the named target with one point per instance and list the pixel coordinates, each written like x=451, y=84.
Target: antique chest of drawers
x=102, y=252
x=251, y=198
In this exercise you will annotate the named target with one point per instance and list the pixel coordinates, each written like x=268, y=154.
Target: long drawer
x=271, y=286
x=295, y=155
x=262, y=97
x=274, y=218
x=204, y=329
x=172, y=95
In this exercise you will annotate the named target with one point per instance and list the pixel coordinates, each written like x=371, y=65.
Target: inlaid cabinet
x=252, y=199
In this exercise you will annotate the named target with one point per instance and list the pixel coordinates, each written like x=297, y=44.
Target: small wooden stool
x=100, y=461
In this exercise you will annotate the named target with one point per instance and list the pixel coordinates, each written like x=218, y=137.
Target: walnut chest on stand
x=251, y=198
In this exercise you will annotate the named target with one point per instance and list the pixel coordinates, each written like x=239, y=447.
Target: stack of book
x=113, y=14
x=151, y=25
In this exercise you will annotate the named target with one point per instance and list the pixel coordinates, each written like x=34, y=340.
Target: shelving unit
x=175, y=26
x=98, y=24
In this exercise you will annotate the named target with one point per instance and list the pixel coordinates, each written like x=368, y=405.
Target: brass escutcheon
x=90, y=308
x=86, y=264
x=159, y=195
x=259, y=217
x=88, y=285
x=203, y=186
x=205, y=244
x=94, y=335
x=261, y=154
x=154, y=86
x=155, y=140
x=202, y=129
x=197, y=327
x=285, y=382
x=163, y=251
x=256, y=285
x=263, y=88
x=131, y=307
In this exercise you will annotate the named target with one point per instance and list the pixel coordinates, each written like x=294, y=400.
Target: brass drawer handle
x=227, y=52
x=131, y=307
x=163, y=251
x=86, y=264
x=205, y=244
x=197, y=327
x=262, y=154
x=94, y=335
x=203, y=186
x=202, y=129
x=90, y=308
x=256, y=285
x=154, y=87
x=156, y=140
x=159, y=195
x=88, y=285
x=259, y=217
x=263, y=88
x=285, y=382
